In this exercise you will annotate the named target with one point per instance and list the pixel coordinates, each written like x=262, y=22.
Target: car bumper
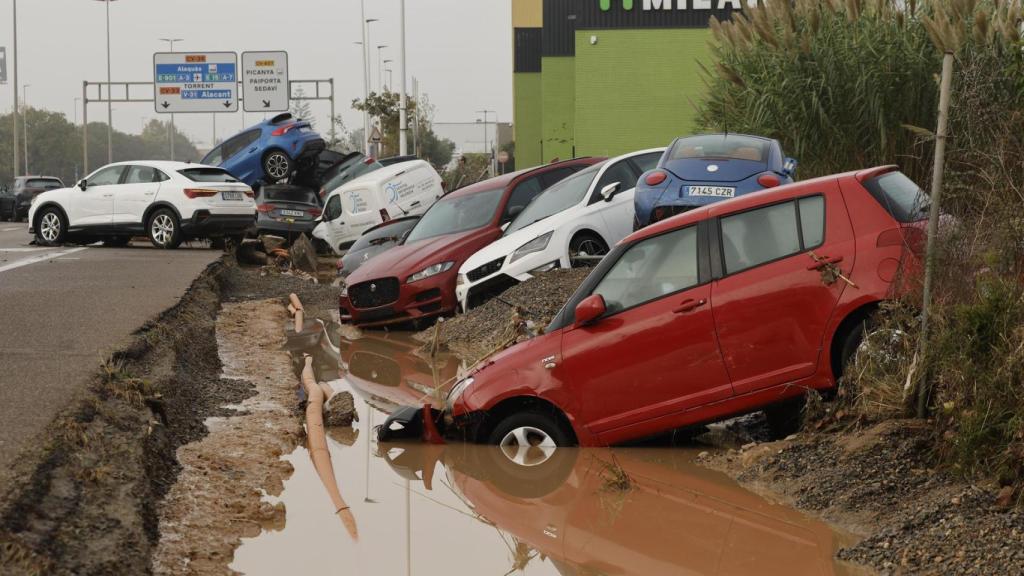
x=427, y=298
x=285, y=228
x=203, y=223
x=511, y=274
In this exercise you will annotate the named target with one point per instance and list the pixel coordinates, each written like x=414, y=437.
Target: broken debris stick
x=316, y=438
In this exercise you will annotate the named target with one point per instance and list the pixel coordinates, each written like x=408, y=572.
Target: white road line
x=40, y=258
x=23, y=249
x=20, y=228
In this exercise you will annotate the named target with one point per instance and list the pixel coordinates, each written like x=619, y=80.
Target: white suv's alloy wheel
x=162, y=229
x=528, y=446
x=49, y=227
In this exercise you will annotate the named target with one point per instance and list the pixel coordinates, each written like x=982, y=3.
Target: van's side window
x=651, y=269
x=812, y=221
x=333, y=208
x=759, y=236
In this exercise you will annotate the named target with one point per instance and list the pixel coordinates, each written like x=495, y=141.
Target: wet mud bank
x=85, y=499
x=881, y=483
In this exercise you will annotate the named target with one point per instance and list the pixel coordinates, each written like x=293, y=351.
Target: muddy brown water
x=464, y=509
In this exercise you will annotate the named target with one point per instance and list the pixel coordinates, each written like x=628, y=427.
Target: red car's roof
x=507, y=179
x=748, y=201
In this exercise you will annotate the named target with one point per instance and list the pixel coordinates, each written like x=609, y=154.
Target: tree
x=385, y=107
x=300, y=108
x=340, y=136
x=435, y=150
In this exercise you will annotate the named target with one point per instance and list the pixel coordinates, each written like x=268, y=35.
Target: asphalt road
x=63, y=309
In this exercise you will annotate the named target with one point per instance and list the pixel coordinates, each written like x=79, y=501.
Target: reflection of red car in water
x=387, y=372
x=676, y=518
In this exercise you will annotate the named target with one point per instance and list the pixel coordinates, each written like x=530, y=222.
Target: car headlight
x=430, y=271
x=458, y=389
x=538, y=244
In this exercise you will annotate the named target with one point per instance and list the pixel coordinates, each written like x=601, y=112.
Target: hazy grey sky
x=459, y=50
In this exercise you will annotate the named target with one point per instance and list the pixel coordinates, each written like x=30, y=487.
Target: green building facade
x=606, y=77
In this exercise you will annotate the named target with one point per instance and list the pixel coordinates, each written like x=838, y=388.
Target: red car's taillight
x=655, y=178
x=384, y=216
x=768, y=180
x=200, y=192
x=264, y=208
x=284, y=129
x=314, y=212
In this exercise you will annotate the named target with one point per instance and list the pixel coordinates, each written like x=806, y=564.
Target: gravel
x=482, y=329
x=883, y=484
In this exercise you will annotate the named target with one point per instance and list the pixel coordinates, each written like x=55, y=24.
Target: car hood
x=696, y=169
x=407, y=259
x=506, y=245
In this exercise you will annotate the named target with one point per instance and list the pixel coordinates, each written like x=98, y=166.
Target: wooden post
x=924, y=389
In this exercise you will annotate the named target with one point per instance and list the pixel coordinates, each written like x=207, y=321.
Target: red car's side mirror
x=590, y=309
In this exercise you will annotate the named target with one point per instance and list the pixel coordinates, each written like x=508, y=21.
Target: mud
x=881, y=483
x=219, y=495
x=85, y=498
x=464, y=509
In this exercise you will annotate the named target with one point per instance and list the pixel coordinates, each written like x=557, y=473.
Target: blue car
x=698, y=170
x=268, y=152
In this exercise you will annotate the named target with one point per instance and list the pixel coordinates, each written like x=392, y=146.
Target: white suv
x=168, y=201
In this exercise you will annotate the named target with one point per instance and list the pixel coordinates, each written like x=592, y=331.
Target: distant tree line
x=55, y=145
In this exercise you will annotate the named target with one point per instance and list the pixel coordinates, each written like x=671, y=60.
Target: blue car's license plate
x=712, y=191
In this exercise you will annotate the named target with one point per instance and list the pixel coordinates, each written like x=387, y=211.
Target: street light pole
x=365, y=24
x=24, y=118
x=487, y=146
x=170, y=130
x=14, y=69
x=110, y=104
x=403, y=119
x=380, y=65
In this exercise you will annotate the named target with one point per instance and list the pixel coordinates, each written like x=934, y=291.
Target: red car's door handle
x=823, y=261
x=689, y=305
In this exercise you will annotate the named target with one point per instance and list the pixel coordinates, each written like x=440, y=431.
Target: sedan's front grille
x=375, y=293
x=485, y=270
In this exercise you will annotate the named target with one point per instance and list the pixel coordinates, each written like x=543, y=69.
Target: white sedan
x=571, y=222
x=168, y=201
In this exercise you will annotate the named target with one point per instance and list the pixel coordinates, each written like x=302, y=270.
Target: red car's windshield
x=457, y=214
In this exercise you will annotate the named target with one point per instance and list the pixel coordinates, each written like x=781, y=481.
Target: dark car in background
x=7, y=203
x=28, y=187
x=374, y=241
x=699, y=170
x=270, y=151
x=286, y=210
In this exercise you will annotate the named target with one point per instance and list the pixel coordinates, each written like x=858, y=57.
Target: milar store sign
x=648, y=5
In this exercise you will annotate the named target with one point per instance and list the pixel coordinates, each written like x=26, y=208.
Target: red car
x=416, y=280
x=727, y=309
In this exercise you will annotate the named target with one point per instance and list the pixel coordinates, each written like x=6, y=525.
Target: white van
x=403, y=189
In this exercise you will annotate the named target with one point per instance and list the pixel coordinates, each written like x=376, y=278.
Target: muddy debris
x=340, y=410
x=106, y=462
x=882, y=484
x=219, y=496
x=246, y=283
x=482, y=329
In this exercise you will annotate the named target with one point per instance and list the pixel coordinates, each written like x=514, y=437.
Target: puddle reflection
x=464, y=509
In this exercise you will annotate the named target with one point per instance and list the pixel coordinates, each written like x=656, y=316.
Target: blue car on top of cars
x=698, y=170
x=269, y=152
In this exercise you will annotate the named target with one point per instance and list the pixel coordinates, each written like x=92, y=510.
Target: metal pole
x=170, y=129
x=403, y=119
x=380, y=66
x=933, y=227
x=85, y=127
x=366, y=80
x=14, y=70
x=110, y=96
x=334, y=130
x=24, y=118
x=416, y=117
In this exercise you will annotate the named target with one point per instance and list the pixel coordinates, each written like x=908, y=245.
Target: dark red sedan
x=726, y=309
x=416, y=280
